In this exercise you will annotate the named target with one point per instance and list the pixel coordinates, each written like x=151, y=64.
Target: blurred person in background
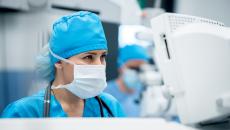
x=128, y=87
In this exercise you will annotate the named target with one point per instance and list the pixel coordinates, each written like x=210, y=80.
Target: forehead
x=134, y=63
x=94, y=52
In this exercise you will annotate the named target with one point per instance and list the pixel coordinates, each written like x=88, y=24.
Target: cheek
x=103, y=62
x=68, y=73
x=81, y=62
x=77, y=60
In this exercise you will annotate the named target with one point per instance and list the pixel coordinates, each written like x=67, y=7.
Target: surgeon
x=127, y=87
x=74, y=64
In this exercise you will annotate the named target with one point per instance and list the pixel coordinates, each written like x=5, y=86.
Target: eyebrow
x=95, y=53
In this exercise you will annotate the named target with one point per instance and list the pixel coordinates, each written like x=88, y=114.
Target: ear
x=58, y=65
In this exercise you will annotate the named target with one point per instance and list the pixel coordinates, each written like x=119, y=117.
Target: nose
x=99, y=61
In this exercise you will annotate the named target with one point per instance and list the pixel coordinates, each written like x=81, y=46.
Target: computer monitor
x=193, y=55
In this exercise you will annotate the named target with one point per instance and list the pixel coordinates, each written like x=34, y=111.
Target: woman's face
x=96, y=57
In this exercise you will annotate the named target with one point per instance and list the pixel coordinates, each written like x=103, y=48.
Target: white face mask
x=89, y=80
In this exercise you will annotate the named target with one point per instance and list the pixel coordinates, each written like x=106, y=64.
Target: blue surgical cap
x=76, y=33
x=132, y=52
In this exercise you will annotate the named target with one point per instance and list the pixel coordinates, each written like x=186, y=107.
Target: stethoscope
x=47, y=101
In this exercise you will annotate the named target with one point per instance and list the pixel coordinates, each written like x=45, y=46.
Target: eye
x=89, y=57
x=103, y=56
x=137, y=69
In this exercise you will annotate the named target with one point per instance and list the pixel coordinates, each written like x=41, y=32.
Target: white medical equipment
x=193, y=55
x=153, y=101
x=90, y=124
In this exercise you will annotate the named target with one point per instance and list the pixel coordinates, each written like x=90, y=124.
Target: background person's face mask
x=89, y=80
x=131, y=78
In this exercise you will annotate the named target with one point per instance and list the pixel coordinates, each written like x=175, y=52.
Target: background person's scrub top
x=129, y=102
x=33, y=107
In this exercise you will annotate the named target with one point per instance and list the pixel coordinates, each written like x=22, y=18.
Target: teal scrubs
x=32, y=106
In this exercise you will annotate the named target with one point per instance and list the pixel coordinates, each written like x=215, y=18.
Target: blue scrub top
x=32, y=106
x=129, y=102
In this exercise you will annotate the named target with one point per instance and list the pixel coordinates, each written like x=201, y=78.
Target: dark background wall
x=111, y=32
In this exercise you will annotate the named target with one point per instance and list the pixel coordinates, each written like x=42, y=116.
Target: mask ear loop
x=63, y=59
x=60, y=58
x=58, y=87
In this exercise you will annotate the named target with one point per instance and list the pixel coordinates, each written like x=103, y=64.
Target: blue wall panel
x=14, y=85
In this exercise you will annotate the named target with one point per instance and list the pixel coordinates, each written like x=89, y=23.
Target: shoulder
x=111, y=87
x=25, y=107
x=108, y=97
x=113, y=104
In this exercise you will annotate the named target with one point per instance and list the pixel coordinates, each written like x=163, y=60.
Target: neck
x=64, y=95
x=69, y=102
x=58, y=80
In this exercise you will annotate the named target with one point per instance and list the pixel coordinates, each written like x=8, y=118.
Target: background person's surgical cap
x=76, y=33
x=132, y=52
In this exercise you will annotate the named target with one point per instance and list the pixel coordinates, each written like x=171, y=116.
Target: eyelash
x=91, y=57
x=104, y=56
x=88, y=57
